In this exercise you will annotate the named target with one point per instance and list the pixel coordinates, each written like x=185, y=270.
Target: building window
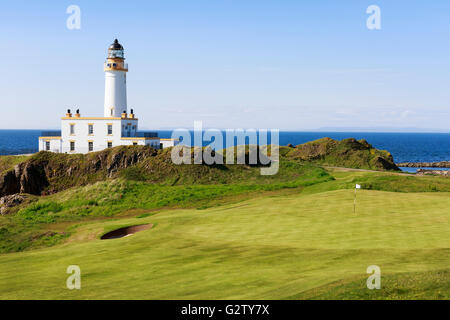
x=72, y=145
x=134, y=143
x=72, y=129
x=91, y=146
x=109, y=144
x=47, y=145
x=109, y=129
x=91, y=129
x=114, y=65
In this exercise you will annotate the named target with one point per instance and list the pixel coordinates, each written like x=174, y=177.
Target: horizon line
x=281, y=130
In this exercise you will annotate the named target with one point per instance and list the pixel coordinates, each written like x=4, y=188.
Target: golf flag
x=354, y=201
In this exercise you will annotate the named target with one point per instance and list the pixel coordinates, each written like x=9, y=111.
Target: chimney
x=78, y=113
x=69, y=113
x=132, y=114
x=124, y=114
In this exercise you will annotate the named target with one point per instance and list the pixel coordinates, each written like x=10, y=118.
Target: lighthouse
x=118, y=127
x=115, y=81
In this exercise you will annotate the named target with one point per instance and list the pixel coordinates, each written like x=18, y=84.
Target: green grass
x=8, y=162
x=425, y=285
x=230, y=233
x=304, y=245
x=24, y=230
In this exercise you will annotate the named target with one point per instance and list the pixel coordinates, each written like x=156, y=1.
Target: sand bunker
x=127, y=231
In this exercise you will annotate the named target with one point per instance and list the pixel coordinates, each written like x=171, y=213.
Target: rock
x=26, y=177
x=33, y=178
x=47, y=173
x=10, y=201
x=442, y=164
x=422, y=172
x=9, y=184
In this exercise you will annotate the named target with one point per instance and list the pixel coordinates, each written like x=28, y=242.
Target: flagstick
x=357, y=186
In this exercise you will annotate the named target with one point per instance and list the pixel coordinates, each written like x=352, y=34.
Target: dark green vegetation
x=349, y=153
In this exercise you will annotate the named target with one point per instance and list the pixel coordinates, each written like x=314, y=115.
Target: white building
x=117, y=127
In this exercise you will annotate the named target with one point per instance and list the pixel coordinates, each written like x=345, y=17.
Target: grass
x=349, y=153
x=8, y=162
x=410, y=285
x=24, y=230
x=307, y=245
x=226, y=232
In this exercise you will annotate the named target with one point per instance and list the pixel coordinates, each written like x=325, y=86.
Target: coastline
x=440, y=164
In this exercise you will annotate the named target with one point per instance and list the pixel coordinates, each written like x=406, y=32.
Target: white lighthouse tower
x=118, y=127
x=115, y=81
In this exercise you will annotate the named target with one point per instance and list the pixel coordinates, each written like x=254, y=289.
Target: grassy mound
x=349, y=153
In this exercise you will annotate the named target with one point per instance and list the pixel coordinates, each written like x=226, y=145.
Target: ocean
x=405, y=147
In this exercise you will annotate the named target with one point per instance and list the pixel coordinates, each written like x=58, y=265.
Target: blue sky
x=292, y=65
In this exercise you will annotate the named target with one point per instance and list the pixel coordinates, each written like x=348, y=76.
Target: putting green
x=277, y=247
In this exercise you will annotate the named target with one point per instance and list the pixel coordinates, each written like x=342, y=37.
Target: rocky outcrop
x=26, y=177
x=8, y=202
x=444, y=173
x=46, y=172
x=442, y=164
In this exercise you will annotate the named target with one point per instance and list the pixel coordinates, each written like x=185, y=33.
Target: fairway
x=274, y=247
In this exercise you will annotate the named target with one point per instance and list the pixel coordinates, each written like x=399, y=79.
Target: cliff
x=46, y=172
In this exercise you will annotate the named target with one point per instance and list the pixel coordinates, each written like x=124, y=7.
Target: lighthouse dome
x=116, y=45
x=116, y=50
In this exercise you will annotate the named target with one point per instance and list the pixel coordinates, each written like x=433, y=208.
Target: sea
x=405, y=147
